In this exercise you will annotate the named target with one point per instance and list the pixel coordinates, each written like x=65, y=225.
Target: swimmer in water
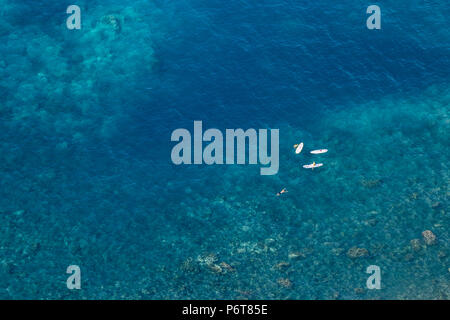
x=281, y=192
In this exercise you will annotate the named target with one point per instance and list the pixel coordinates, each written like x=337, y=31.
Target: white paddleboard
x=312, y=166
x=319, y=151
x=299, y=148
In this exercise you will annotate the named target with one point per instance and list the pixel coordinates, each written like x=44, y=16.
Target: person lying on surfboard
x=312, y=165
x=281, y=192
x=298, y=147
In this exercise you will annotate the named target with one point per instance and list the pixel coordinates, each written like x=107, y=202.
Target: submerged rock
x=356, y=252
x=226, y=267
x=254, y=248
x=429, y=237
x=416, y=245
x=296, y=255
x=209, y=262
x=188, y=265
x=283, y=265
x=285, y=282
x=215, y=268
x=112, y=21
x=207, y=259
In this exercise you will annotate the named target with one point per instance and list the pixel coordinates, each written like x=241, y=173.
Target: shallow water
x=87, y=179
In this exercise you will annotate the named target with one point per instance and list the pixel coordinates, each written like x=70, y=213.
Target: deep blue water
x=87, y=179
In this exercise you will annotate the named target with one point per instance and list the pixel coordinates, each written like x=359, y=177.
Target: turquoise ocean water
x=87, y=179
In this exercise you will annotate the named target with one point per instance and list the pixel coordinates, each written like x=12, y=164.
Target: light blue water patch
x=87, y=179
